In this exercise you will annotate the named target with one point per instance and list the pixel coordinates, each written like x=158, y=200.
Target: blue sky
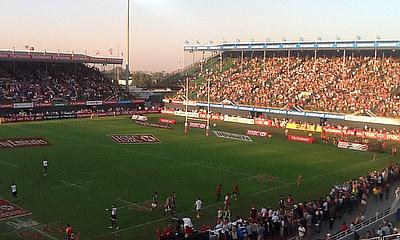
x=160, y=26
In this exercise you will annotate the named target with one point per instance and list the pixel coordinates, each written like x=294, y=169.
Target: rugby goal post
x=208, y=117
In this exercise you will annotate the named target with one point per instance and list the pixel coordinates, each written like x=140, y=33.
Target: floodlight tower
x=127, y=49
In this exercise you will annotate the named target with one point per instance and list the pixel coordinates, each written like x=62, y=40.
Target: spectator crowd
x=334, y=84
x=302, y=219
x=58, y=82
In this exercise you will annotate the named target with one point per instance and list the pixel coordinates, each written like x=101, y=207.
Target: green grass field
x=88, y=172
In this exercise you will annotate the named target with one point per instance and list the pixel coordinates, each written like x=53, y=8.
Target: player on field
x=13, y=189
x=236, y=191
x=45, y=164
x=299, y=180
x=113, y=210
x=218, y=192
x=198, y=205
x=68, y=232
x=173, y=203
x=227, y=201
x=154, y=200
x=167, y=206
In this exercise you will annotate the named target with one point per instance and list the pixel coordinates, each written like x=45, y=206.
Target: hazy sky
x=160, y=27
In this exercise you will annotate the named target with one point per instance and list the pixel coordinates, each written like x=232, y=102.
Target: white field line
x=9, y=164
x=245, y=196
x=45, y=234
x=142, y=153
x=66, y=184
x=37, y=226
x=264, y=150
x=73, y=184
x=131, y=204
x=316, y=162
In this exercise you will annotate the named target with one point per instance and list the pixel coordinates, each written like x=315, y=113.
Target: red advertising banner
x=168, y=121
x=362, y=134
x=9, y=210
x=256, y=133
x=303, y=139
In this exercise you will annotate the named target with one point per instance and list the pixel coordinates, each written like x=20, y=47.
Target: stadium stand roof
x=30, y=56
x=298, y=45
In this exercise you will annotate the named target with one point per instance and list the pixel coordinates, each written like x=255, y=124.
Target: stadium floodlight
x=319, y=38
x=187, y=42
x=284, y=39
x=337, y=38
x=301, y=39
x=197, y=42
x=377, y=37
x=237, y=40
x=358, y=37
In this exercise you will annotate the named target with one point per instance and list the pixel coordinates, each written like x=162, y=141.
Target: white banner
x=379, y=120
x=353, y=146
x=189, y=114
x=139, y=117
x=23, y=105
x=233, y=136
x=94, y=103
x=239, y=120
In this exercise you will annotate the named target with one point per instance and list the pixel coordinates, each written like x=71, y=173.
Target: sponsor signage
x=197, y=125
x=239, y=120
x=379, y=120
x=139, y=117
x=165, y=111
x=256, y=133
x=303, y=139
x=133, y=138
x=304, y=127
x=23, y=142
x=94, y=103
x=168, y=121
x=353, y=146
x=189, y=114
x=155, y=125
x=233, y=136
x=362, y=134
x=9, y=210
x=23, y=105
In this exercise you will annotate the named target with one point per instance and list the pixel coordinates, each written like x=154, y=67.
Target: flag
x=284, y=39
x=122, y=54
x=97, y=52
x=358, y=37
x=319, y=38
x=32, y=49
x=210, y=42
x=301, y=39
x=237, y=40
x=197, y=42
x=337, y=38
x=223, y=41
x=378, y=37
x=186, y=42
x=27, y=47
x=268, y=40
x=110, y=51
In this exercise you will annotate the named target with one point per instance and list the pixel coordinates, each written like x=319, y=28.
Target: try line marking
x=9, y=164
x=69, y=184
x=137, y=206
